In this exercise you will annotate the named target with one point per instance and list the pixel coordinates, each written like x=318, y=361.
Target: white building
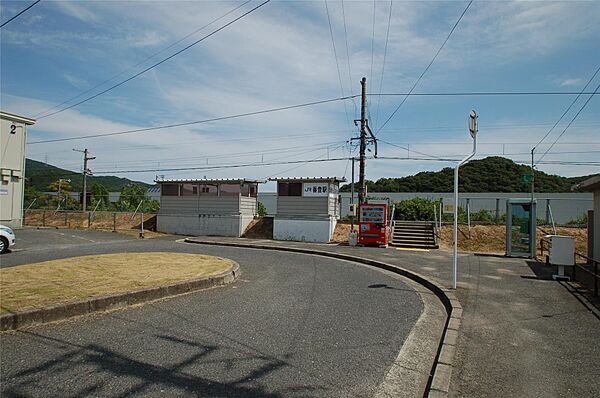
x=220, y=207
x=592, y=184
x=307, y=208
x=13, y=134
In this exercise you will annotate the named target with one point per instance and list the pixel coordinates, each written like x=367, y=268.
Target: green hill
x=39, y=175
x=492, y=174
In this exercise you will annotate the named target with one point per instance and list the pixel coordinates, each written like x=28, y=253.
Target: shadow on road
x=136, y=377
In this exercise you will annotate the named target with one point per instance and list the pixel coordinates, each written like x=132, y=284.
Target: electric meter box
x=562, y=250
x=352, y=209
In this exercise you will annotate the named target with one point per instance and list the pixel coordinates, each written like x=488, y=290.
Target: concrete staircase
x=414, y=234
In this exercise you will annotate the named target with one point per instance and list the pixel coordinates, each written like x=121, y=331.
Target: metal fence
x=105, y=220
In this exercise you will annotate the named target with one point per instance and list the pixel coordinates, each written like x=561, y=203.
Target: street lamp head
x=473, y=123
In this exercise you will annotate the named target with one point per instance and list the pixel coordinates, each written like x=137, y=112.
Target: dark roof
x=591, y=184
x=211, y=181
x=308, y=179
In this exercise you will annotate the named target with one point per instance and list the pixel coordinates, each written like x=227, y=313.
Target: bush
x=483, y=216
x=416, y=209
x=579, y=222
x=261, y=209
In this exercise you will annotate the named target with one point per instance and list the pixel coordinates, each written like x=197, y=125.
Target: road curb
x=14, y=321
x=441, y=372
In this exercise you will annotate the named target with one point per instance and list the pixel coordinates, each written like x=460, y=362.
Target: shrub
x=261, y=209
x=416, y=209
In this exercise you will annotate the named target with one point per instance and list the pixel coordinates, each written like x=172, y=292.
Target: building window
x=189, y=190
x=169, y=190
x=289, y=189
x=230, y=189
x=208, y=190
x=249, y=190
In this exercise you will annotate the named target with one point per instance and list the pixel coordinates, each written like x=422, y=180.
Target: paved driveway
x=292, y=325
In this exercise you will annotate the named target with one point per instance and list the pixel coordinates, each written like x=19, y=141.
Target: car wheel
x=3, y=244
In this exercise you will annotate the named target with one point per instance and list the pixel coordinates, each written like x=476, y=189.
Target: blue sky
x=282, y=54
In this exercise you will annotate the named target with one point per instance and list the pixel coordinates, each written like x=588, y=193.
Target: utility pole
x=352, y=197
x=86, y=172
x=363, y=142
x=532, y=178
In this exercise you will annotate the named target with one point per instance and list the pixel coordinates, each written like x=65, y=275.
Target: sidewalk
x=522, y=335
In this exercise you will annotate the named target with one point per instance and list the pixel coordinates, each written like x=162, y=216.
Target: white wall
x=304, y=230
x=12, y=172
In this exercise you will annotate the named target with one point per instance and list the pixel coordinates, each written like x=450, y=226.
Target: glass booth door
x=520, y=228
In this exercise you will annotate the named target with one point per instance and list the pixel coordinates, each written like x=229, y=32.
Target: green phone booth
x=520, y=228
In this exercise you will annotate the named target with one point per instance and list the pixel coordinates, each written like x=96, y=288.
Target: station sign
x=315, y=189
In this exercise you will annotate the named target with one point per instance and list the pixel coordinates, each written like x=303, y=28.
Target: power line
x=157, y=63
x=387, y=36
x=239, y=115
x=480, y=93
x=408, y=149
x=144, y=61
x=428, y=66
x=17, y=15
x=567, y=110
x=337, y=64
x=347, y=48
x=571, y=122
x=372, y=42
x=490, y=93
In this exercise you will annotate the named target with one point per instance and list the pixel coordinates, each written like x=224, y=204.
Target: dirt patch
x=342, y=230
x=259, y=228
x=77, y=278
x=492, y=238
x=102, y=220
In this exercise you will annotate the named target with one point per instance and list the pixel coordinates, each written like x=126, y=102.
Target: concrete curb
x=441, y=373
x=58, y=312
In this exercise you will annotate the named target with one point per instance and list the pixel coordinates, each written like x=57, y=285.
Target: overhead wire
x=387, y=36
x=337, y=64
x=428, y=66
x=18, y=14
x=571, y=122
x=157, y=63
x=566, y=110
x=372, y=42
x=167, y=126
x=144, y=61
x=349, y=97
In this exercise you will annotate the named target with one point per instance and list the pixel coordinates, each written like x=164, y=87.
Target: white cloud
x=77, y=10
x=77, y=82
x=571, y=82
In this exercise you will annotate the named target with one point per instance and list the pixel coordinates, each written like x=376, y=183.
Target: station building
x=308, y=208
x=13, y=134
x=219, y=207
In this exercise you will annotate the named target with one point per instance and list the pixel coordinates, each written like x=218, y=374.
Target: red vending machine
x=373, y=224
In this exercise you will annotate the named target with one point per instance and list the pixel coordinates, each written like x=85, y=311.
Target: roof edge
x=17, y=118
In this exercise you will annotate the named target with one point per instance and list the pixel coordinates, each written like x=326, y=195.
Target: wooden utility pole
x=363, y=142
x=86, y=172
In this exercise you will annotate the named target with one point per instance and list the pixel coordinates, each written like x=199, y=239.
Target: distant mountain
x=39, y=175
x=492, y=174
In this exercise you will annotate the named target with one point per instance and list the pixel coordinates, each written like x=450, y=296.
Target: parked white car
x=7, y=238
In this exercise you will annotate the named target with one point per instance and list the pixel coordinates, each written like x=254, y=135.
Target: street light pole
x=473, y=131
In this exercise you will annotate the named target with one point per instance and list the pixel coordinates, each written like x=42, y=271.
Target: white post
x=469, y=216
x=473, y=131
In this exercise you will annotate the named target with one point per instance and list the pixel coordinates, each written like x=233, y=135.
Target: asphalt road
x=292, y=325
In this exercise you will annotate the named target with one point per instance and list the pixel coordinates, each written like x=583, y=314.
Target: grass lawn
x=76, y=278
